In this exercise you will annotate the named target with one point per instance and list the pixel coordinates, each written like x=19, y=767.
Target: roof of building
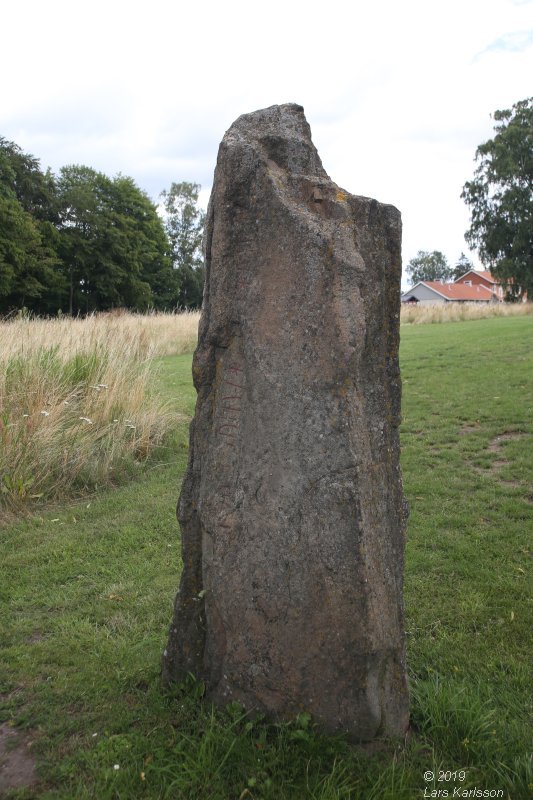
x=456, y=291
x=482, y=274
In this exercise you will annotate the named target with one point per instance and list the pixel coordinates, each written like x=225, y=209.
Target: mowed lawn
x=87, y=590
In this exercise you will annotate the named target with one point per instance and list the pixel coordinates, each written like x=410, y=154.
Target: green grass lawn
x=87, y=591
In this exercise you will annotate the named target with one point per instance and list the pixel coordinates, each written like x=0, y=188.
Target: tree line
x=80, y=241
x=500, y=197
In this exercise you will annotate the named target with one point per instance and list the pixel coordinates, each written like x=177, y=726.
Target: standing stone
x=291, y=510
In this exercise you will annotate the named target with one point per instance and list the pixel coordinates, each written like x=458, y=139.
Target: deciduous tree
x=500, y=198
x=428, y=266
x=28, y=236
x=184, y=222
x=114, y=248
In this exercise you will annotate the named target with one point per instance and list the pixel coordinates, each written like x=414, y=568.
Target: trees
x=501, y=199
x=83, y=242
x=78, y=190
x=428, y=266
x=21, y=175
x=113, y=244
x=462, y=266
x=184, y=223
x=148, y=255
x=28, y=237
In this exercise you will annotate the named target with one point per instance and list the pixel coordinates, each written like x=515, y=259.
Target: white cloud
x=514, y=42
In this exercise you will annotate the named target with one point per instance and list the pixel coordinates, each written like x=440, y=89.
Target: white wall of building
x=424, y=295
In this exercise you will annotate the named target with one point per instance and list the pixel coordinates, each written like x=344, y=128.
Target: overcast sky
x=398, y=93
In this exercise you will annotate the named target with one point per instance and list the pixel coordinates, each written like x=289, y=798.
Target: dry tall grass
x=455, y=312
x=153, y=334
x=77, y=402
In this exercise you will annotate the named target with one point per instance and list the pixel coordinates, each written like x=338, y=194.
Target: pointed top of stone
x=283, y=135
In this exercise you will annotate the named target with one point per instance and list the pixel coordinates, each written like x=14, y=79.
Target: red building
x=483, y=278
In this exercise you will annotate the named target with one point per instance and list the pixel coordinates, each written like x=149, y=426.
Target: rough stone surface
x=291, y=510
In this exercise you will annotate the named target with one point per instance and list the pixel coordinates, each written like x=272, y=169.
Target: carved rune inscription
x=228, y=414
x=230, y=404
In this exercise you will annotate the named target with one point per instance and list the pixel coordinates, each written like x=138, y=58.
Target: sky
x=398, y=93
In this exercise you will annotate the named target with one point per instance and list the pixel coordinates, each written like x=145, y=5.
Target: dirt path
x=17, y=765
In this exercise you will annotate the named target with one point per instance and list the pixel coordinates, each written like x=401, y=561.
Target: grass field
x=87, y=593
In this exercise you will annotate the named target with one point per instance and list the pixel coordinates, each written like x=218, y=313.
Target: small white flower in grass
x=45, y=413
x=94, y=734
x=86, y=419
x=25, y=415
x=116, y=766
